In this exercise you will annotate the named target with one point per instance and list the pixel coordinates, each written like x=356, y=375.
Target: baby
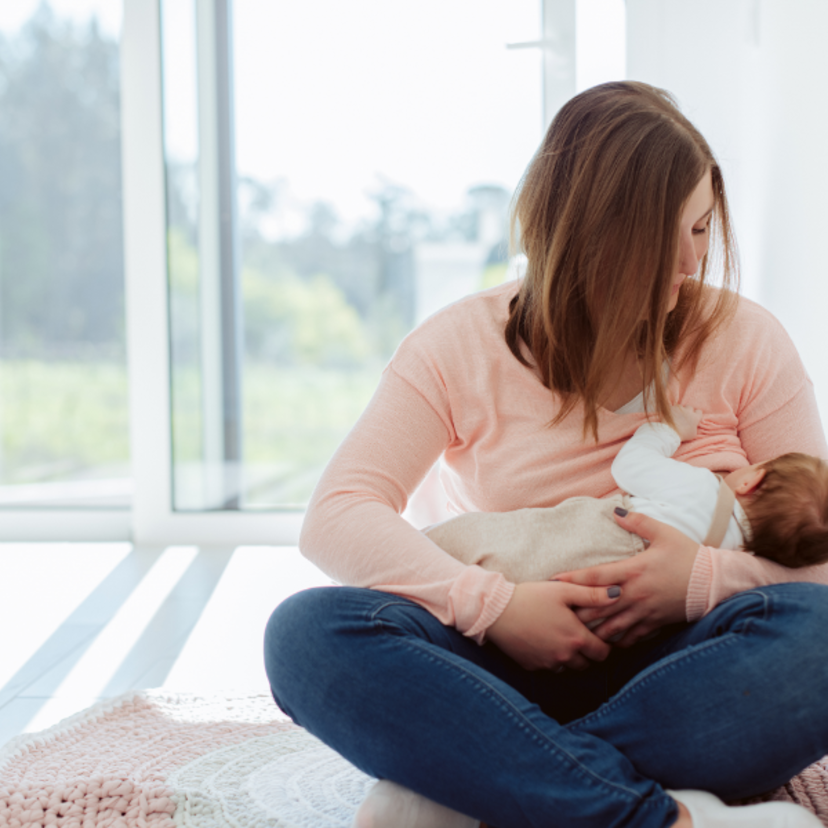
x=777, y=509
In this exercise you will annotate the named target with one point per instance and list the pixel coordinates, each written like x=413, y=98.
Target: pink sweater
x=454, y=389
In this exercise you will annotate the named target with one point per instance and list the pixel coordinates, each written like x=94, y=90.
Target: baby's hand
x=687, y=420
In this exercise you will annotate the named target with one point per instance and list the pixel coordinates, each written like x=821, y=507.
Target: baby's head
x=788, y=511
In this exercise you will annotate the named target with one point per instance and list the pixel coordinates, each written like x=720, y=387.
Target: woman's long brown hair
x=598, y=214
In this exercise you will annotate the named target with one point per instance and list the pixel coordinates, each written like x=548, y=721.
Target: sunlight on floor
x=92, y=672
x=42, y=584
x=88, y=621
x=216, y=656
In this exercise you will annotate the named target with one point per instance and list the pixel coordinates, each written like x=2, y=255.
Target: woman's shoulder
x=749, y=325
x=750, y=316
x=450, y=356
x=751, y=348
x=477, y=320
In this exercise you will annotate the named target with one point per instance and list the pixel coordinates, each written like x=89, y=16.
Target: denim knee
x=798, y=609
x=797, y=621
x=288, y=641
x=807, y=600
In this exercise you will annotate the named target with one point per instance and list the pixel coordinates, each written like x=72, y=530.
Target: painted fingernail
x=613, y=591
x=621, y=512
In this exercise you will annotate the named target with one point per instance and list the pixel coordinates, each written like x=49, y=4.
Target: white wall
x=751, y=74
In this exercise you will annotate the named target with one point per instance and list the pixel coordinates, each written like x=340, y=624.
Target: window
x=298, y=189
x=322, y=197
x=64, y=437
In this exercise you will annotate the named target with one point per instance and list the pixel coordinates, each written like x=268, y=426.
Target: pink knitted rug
x=150, y=760
x=809, y=789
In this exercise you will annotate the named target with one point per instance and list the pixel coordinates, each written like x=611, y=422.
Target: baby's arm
x=645, y=467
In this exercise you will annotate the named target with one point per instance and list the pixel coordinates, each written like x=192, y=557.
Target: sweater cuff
x=492, y=610
x=698, y=590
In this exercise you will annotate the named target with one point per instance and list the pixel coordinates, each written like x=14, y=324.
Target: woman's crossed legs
x=733, y=704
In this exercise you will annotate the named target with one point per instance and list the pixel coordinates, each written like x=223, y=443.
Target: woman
x=495, y=700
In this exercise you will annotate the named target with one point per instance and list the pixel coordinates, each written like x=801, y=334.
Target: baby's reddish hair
x=788, y=512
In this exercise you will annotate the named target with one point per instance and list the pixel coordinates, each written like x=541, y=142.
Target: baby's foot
x=389, y=805
x=708, y=811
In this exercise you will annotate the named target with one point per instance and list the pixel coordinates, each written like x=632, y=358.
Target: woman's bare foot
x=684, y=819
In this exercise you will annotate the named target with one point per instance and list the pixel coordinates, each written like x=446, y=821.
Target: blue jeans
x=735, y=704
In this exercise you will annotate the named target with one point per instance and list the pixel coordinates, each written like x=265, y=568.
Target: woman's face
x=694, y=233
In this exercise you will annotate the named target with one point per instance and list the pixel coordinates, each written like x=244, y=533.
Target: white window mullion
x=559, y=64
x=154, y=520
x=145, y=263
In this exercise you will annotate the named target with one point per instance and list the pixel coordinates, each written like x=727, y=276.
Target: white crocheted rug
x=150, y=760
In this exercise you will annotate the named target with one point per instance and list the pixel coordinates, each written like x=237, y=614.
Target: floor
x=82, y=622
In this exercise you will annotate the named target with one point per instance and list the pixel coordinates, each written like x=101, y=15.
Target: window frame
x=154, y=521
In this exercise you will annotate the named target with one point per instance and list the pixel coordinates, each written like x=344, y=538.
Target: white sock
x=389, y=805
x=708, y=811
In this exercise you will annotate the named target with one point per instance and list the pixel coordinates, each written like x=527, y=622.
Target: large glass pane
x=63, y=386
x=377, y=146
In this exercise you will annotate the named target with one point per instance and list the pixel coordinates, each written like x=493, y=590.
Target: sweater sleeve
x=720, y=573
x=770, y=424
x=353, y=529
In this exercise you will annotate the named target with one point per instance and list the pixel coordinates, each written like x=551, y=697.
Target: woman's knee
x=291, y=618
x=801, y=607
x=798, y=623
x=294, y=635
x=314, y=638
x=786, y=624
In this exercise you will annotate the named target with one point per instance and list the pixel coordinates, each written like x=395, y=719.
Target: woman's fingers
x=618, y=572
x=589, y=615
x=634, y=634
x=587, y=647
x=624, y=629
x=650, y=529
x=593, y=648
x=603, y=575
x=653, y=584
x=578, y=662
x=540, y=630
x=577, y=595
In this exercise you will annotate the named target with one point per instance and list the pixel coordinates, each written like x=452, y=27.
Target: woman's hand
x=540, y=630
x=653, y=583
